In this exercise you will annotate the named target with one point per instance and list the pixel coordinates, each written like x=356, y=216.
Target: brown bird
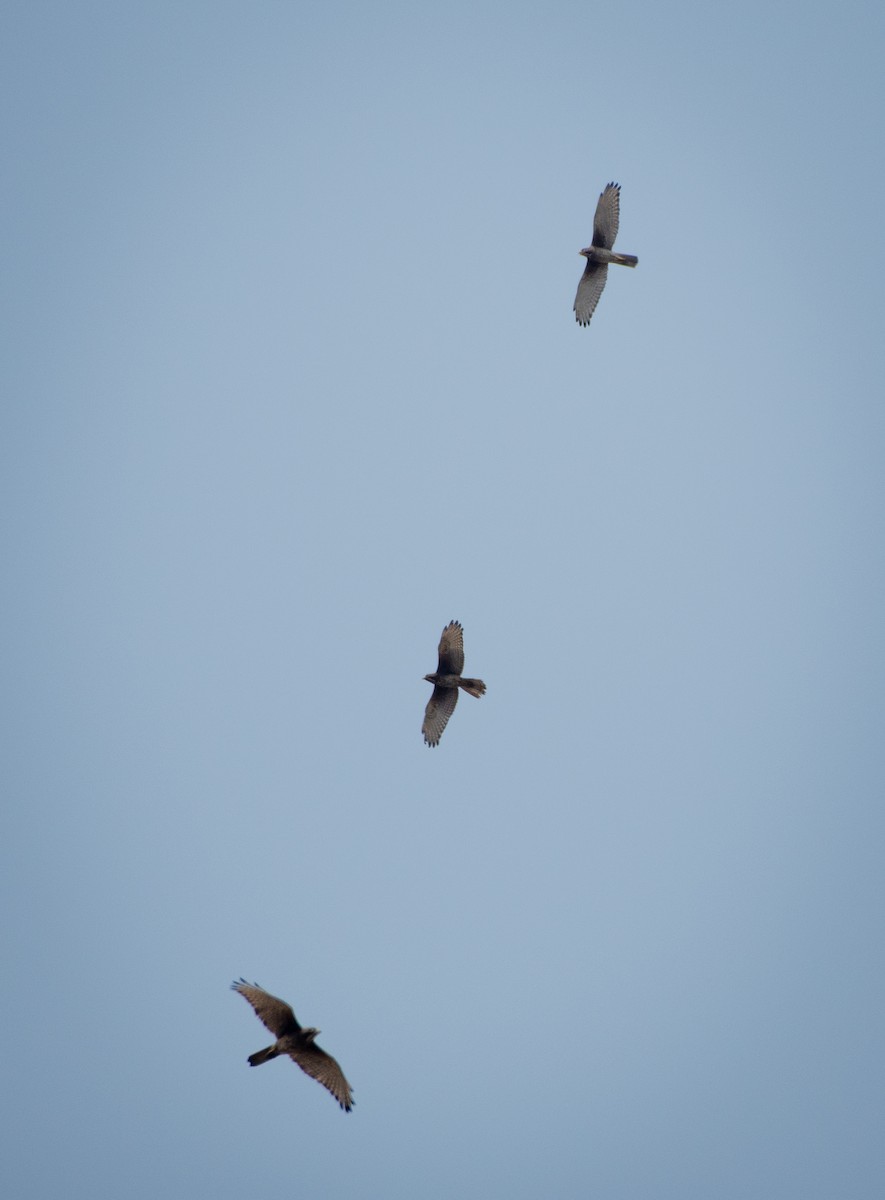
x=599, y=254
x=294, y=1040
x=446, y=682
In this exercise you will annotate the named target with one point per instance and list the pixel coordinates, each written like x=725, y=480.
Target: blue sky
x=291, y=379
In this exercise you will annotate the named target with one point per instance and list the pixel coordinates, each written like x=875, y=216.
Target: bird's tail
x=262, y=1056
x=475, y=687
x=625, y=260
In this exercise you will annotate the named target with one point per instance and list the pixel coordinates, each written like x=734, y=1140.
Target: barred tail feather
x=625, y=260
x=474, y=687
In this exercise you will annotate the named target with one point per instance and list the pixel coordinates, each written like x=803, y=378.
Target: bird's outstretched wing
x=605, y=223
x=590, y=287
x=274, y=1013
x=439, y=708
x=451, y=650
x=325, y=1070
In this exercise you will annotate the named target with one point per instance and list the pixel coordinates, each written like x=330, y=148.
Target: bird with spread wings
x=294, y=1040
x=599, y=254
x=446, y=681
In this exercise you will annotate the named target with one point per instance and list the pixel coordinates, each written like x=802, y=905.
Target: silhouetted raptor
x=294, y=1040
x=446, y=682
x=599, y=254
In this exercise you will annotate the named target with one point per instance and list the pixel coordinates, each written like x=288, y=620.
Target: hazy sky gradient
x=291, y=379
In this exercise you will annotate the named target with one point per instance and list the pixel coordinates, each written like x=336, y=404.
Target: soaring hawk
x=446, y=682
x=294, y=1040
x=599, y=254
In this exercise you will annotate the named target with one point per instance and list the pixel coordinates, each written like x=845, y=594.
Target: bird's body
x=294, y=1040
x=599, y=254
x=446, y=680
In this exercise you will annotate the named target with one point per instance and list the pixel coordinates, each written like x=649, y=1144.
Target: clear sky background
x=290, y=380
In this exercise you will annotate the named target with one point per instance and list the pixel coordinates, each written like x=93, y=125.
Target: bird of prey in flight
x=599, y=254
x=446, y=682
x=294, y=1040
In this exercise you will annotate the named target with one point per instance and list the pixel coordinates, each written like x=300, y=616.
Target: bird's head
x=585, y=252
x=311, y=1033
x=429, y=679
